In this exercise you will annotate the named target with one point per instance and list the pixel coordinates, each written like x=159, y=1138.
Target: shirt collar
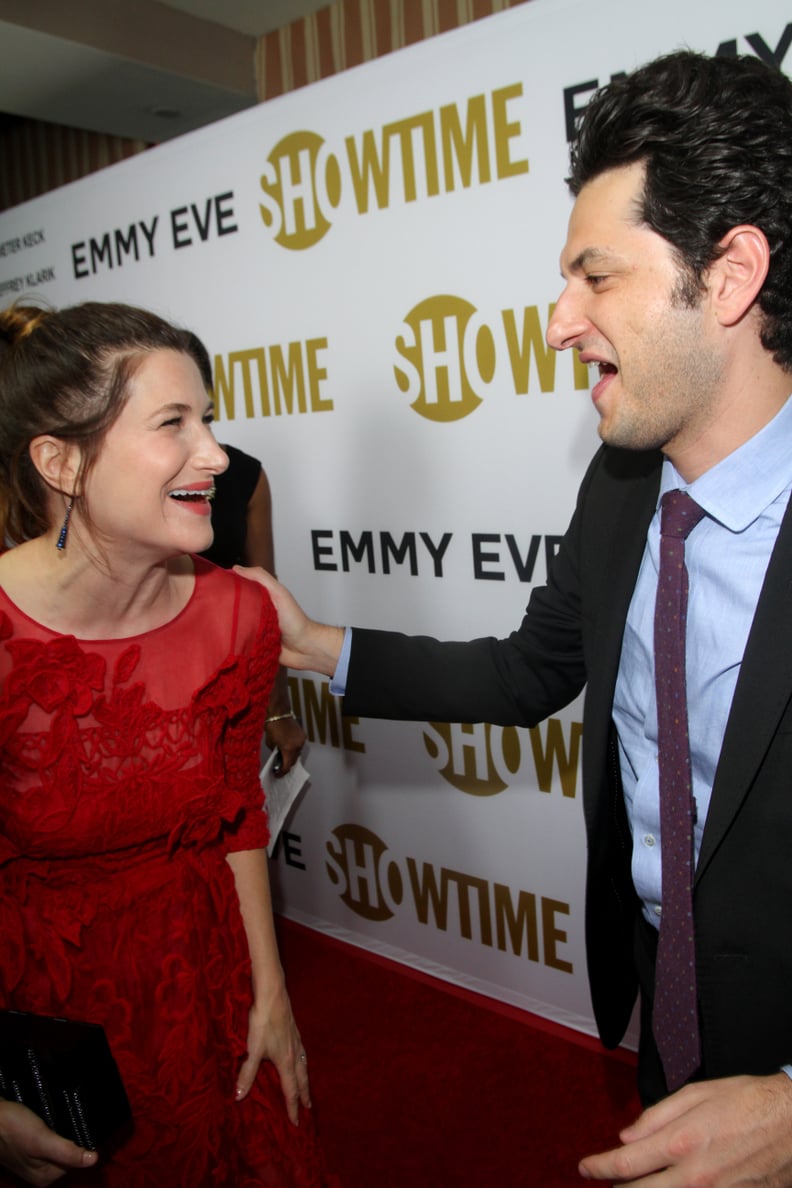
x=742, y=485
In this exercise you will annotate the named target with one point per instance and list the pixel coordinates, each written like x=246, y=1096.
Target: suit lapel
x=621, y=566
x=763, y=691
x=618, y=565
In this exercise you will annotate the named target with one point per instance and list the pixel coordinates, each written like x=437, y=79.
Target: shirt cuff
x=339, y=681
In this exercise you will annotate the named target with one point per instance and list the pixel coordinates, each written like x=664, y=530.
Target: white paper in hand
x=280, y=794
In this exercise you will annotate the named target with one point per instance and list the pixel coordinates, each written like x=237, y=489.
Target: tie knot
x=679, y=514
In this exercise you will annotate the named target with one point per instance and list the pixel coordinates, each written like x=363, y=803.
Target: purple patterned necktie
x=675, y=1017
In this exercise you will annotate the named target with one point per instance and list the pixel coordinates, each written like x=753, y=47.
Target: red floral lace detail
x=55, y=674
x=102, y=730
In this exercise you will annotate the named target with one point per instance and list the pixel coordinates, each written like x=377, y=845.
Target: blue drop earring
x=64, y=532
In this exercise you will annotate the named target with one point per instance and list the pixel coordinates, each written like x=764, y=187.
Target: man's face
x=622, y=309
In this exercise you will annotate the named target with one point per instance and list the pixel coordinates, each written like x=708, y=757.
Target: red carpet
x=417, y=1084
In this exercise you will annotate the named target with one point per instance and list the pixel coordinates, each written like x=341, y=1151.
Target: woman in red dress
x=134, y=678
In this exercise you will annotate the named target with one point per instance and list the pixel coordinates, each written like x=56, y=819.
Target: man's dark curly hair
x=715, y=135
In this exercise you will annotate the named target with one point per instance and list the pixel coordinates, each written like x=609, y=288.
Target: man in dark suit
x=678, y=271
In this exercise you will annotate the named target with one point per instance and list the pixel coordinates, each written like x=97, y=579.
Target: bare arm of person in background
x=282, y=730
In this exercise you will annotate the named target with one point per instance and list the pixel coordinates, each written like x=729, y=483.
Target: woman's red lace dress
x=128, y=769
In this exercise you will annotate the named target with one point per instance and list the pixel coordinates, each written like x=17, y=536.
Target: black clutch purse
x=63, y=1071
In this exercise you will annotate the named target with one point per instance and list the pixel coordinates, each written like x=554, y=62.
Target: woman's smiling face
x=149, y=490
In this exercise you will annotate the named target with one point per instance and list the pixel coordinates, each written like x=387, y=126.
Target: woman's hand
x=282, y=729
x=32, y=1151
x=273, y=1035
x=287, y=735
x=272, y=1032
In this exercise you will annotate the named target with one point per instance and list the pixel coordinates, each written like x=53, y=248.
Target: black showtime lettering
x=215, y=214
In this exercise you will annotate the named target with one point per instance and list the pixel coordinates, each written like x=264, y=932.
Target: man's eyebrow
x=589, y=255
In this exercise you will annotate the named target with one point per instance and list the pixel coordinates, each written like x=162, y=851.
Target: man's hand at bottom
x=711, y=1134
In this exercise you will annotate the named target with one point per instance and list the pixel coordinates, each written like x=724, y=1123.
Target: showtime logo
x=447, y=356
x=483, y=760
x=376, y=886
x=304, y=182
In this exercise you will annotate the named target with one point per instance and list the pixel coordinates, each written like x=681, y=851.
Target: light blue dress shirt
x=727, y=553
x=339, y=681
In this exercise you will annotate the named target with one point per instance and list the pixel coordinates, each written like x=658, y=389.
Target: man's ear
x=737, y=276
x=57, y=461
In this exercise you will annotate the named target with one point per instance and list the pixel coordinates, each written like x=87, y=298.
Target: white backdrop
x=372, y=261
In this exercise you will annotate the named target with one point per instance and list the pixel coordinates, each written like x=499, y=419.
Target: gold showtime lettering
x=418, y=157
x=373, y=885
x=447, y=356
x=271, y=381
x=320, y=714
x=476, y=758
x=483, y=760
